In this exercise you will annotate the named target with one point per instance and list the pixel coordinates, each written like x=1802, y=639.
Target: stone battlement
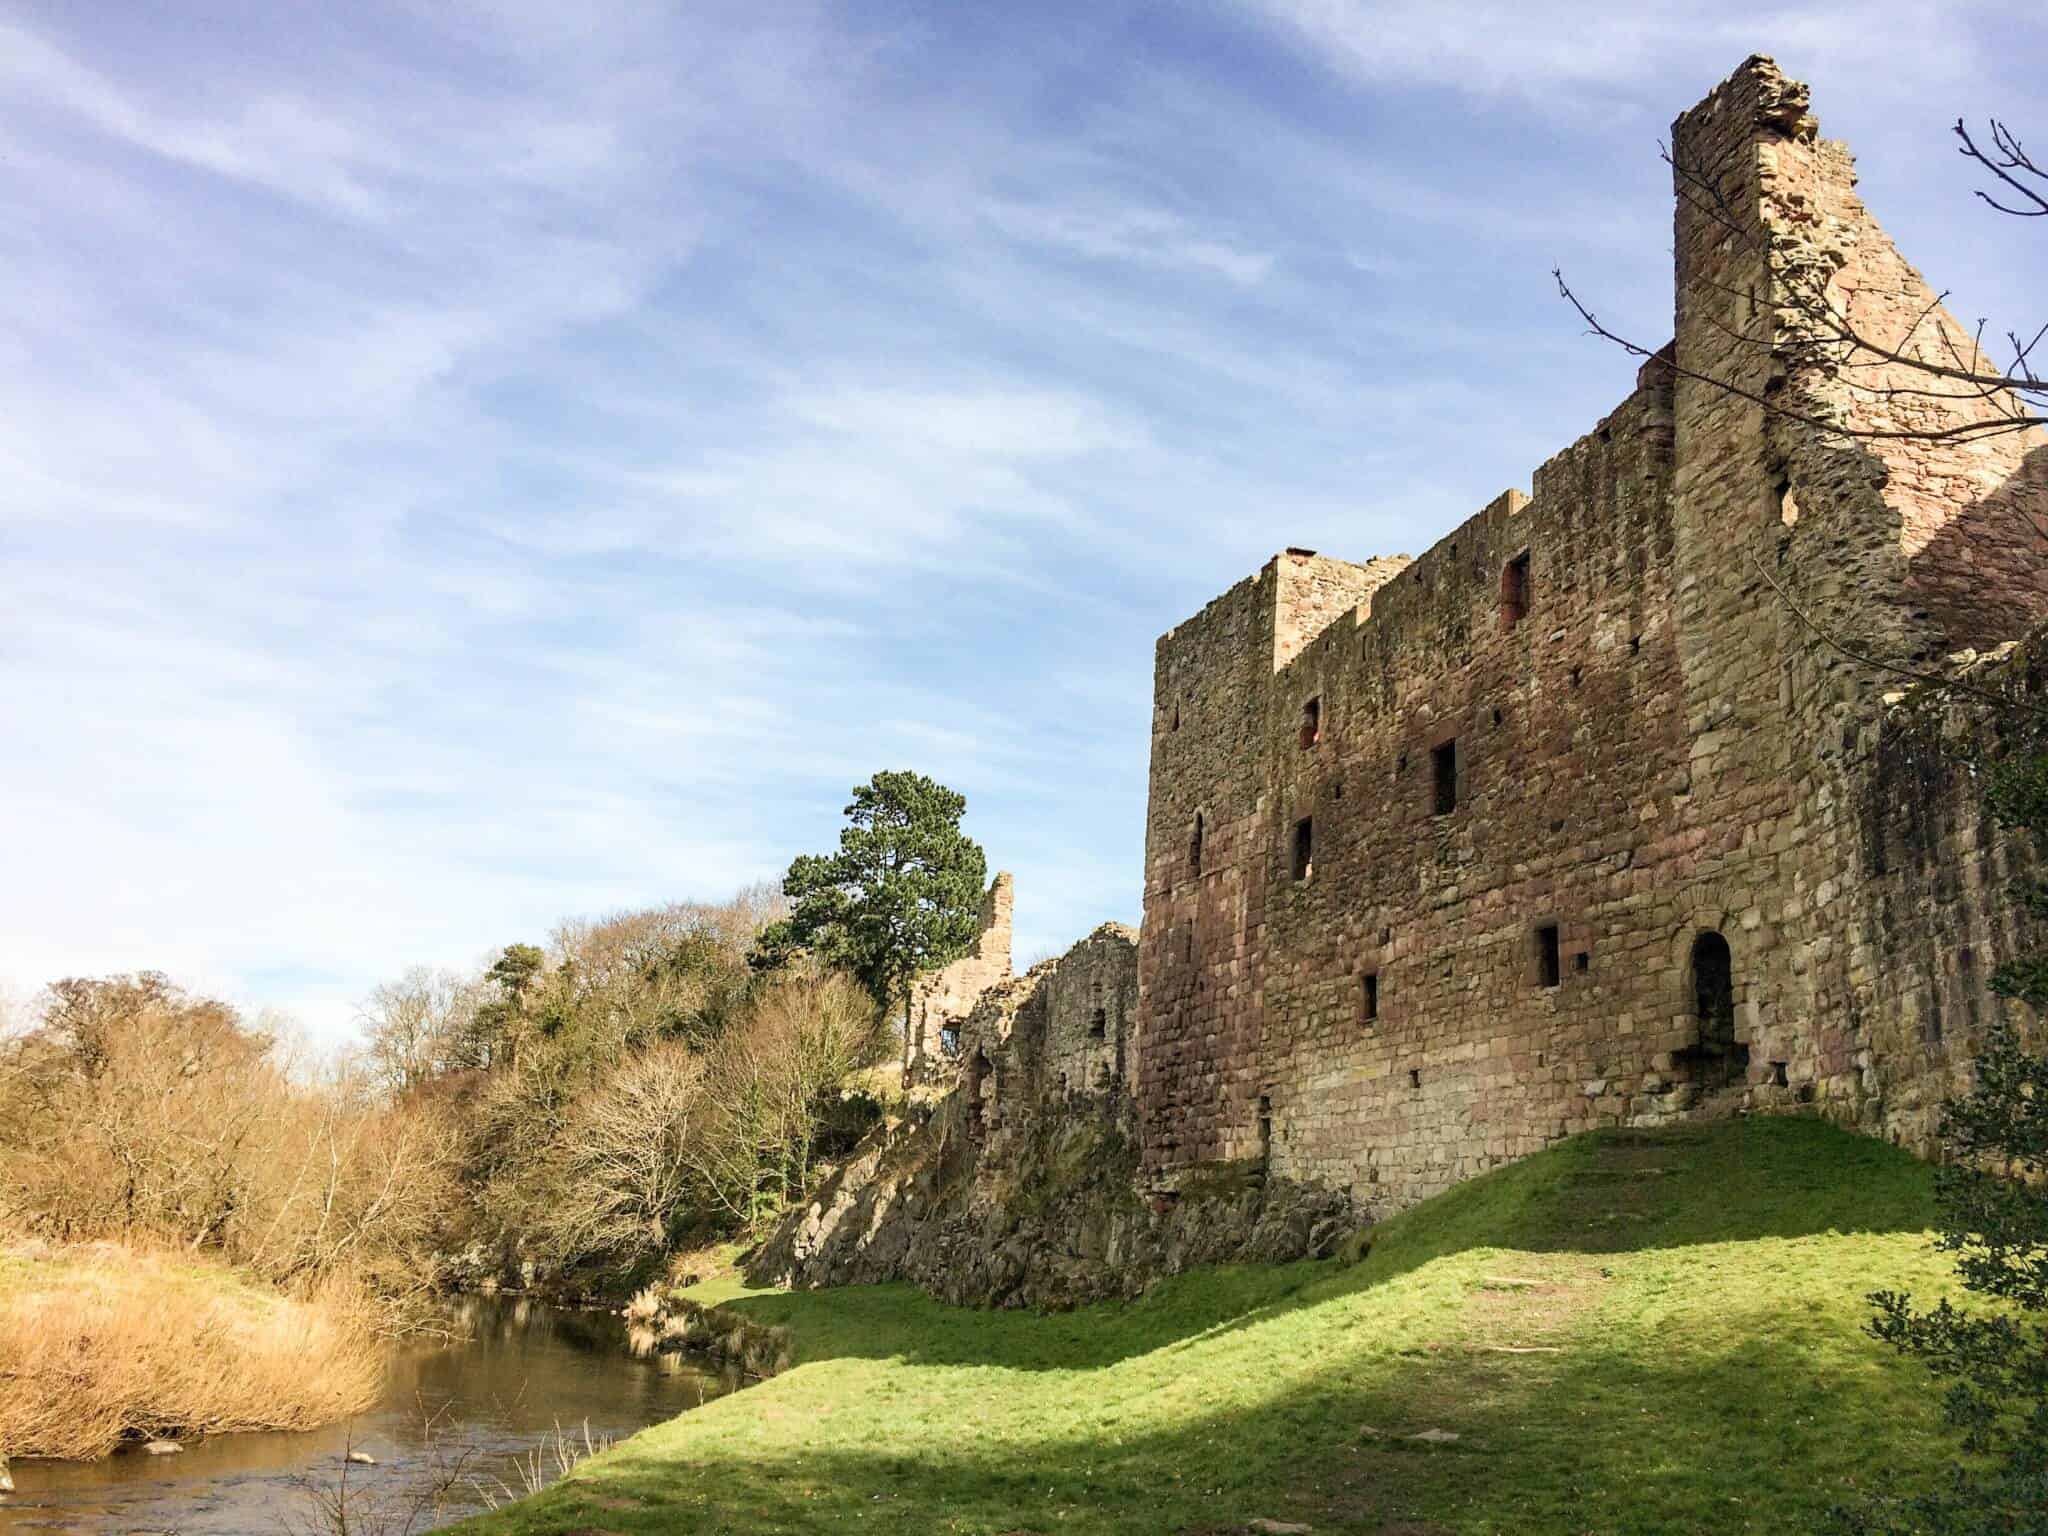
x=1567, y=822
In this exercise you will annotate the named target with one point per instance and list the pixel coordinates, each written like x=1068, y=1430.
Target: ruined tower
x=1584, y=817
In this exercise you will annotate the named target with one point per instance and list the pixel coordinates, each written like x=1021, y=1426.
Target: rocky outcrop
x=1051, y=1221
x=1019, y=1188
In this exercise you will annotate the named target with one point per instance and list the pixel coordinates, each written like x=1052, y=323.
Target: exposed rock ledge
x=1061, y=1228
x=1018, y=1190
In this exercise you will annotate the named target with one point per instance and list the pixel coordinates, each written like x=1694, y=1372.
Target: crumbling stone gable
x=1063, y=1029
x=1570, y=821
x=942, y=1001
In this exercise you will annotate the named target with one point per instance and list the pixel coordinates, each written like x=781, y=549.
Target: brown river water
x=495, y=1402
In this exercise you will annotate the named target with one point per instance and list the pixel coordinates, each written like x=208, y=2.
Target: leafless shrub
x=767, y=1083
x=370, y=1501
x=137, y=1112
x=543, y=1464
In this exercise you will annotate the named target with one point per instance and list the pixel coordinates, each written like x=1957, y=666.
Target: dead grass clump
x=103, y=1343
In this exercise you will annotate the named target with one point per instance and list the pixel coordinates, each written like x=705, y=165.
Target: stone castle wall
x=941, y=1001
x=1576, y=820
x=1019, y=1187
x=1619, y=804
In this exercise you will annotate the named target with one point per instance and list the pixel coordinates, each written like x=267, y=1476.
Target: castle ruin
x=1583, y=817
x=1600, y=812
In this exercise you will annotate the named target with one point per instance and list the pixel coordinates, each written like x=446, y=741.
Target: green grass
x=1631, y=1332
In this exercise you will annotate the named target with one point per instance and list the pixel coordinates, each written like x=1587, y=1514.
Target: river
x=476, y=1415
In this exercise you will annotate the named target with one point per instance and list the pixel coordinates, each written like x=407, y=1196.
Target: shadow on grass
x=1739, y=1429
x=1608, y=1192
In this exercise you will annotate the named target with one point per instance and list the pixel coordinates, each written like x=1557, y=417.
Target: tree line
x=568, y=1114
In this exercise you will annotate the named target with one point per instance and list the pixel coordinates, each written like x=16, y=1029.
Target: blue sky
x=463, y=466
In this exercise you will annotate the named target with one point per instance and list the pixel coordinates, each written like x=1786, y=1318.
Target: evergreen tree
x=900, y=898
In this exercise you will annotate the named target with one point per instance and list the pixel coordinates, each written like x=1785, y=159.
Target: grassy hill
x=1631, y=1332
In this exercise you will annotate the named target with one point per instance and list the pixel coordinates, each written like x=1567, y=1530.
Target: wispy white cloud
x=1145, y=236
x=1569, y=56
x=466, y=463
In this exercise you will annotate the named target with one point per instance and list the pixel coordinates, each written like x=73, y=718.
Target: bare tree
x=413, y=1026
x=627, y=1163
x=1809, y=359
x=1928, y=360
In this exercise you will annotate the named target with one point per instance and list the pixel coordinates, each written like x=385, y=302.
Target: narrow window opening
x=949, y=1039
x=1778, y=1074
x=1386, y=935
x=1265, y=1132
x=1635, y=645
x=1195, y=846
x=1337, y=790
x=1547, y=972
x=1369, y=998
x=1311, y=722
x=1514, y=591
x=1176, y=717
x=1496, y=717
x=1098, y=1024
x=1445, y=761
x=1580, y=961
x=977, y=1074
x=1401, y=763
x=1415, y=1077
x=1304, y=847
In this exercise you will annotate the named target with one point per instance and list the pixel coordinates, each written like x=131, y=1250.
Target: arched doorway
x=1716, y=1058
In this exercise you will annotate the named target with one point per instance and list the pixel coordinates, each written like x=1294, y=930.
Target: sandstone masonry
x=1575, y=820
x=1582, y=818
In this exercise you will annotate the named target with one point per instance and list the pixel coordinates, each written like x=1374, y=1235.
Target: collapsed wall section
x=1018, y=1187
x=1821, y=566
x=941, y=1002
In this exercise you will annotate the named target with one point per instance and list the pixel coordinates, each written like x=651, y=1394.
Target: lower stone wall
x=1020, y=1187
x=1907, y=988
x=1049, y=1219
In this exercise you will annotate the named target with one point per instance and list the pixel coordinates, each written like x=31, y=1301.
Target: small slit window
x=1445, y=761
x=1304, y=847
x=1098, y=1024
x=1514, y=591
x=1312, y=722
x=1195, y=847
x=1369, y=997
x=1548, y=971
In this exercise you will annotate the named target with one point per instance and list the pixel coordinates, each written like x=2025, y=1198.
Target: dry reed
x=102, y=1343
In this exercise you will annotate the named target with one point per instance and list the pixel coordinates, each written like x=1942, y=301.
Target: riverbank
x=1628, y=1333
x=474, y=1413
x=103, y=1343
